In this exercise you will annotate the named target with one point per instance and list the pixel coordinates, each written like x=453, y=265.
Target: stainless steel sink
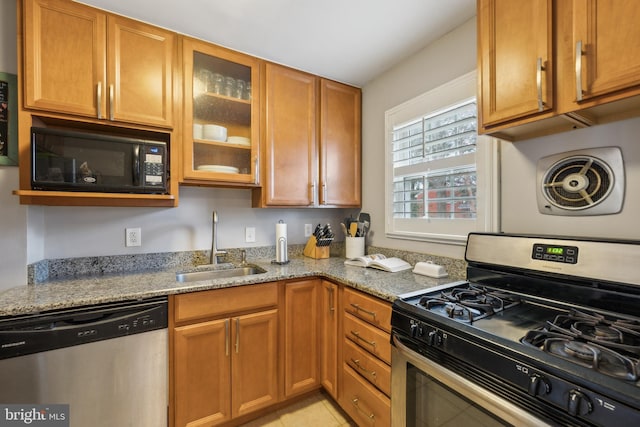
x=192, y=276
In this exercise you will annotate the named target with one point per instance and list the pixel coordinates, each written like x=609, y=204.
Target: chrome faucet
x=214, y=245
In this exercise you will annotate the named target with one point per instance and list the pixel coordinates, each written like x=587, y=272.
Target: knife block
x=313, y=251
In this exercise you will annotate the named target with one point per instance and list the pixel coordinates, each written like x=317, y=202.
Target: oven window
x=432, y=404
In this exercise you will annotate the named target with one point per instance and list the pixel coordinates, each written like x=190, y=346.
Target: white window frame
x=487, y=169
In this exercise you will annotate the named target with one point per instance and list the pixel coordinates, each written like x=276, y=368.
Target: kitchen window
x=441, y=176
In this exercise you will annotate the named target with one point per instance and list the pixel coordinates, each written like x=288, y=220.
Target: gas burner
x=593, y=341
x=593, y=356
x=451, y=309
x=597, y=332
x=469, y=303
x=581, y=350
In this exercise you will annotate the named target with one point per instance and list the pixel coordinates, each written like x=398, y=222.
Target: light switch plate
x=250, y=234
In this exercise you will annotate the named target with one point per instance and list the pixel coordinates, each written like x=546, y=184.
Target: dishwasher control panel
x=36, y=333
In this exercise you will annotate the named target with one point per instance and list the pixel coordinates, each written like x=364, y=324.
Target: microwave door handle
x=136, y=166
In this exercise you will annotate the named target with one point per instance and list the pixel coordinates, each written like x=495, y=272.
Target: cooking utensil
x=353, y=229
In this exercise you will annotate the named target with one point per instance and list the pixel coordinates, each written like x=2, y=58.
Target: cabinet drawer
x=369, y=309
x=217, y=302
x=368, y=337
x=364, y=403
x=371, y=368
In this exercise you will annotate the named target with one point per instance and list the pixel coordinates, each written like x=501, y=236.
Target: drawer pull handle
x=355, y=402
x=358, y=337
x=362, y=368
x=360, y=309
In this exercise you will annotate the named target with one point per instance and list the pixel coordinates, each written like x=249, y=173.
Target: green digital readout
x=555, y=250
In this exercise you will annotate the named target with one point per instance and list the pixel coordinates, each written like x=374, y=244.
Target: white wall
x=449, y=57
x=93, y=231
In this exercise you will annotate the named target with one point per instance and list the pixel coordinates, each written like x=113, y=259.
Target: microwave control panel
x=154, y=165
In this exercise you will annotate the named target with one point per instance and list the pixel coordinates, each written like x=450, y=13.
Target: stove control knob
x=579, y=403
x=434, y=338
x=414, y=330
x=538, y=385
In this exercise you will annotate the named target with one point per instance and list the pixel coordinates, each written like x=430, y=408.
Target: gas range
x=550, y=324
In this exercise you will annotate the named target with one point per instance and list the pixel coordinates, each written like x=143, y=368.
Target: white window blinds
x=441, y=176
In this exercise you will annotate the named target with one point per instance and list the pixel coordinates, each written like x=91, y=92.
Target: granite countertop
x=104, y=288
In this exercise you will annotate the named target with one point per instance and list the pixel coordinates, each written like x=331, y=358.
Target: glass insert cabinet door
x=220, y=135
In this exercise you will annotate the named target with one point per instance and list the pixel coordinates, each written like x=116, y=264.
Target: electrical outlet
x=308, y=229
x=250, y=234
x=133, y=237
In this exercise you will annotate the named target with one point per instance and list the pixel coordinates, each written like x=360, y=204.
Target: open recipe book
x=379, y=261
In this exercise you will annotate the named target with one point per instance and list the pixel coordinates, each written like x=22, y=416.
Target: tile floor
x=317, y=410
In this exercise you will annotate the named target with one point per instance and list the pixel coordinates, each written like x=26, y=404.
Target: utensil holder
x=354, y=247
x=313, y=251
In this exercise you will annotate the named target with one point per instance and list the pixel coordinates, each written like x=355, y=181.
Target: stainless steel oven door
x=424, y=393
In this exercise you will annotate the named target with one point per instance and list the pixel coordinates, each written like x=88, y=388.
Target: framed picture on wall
x=8, y=119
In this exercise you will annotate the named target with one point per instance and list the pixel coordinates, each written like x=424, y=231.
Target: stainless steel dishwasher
x=109, y=362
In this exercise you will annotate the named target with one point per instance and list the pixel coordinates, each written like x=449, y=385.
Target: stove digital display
x=564, y=254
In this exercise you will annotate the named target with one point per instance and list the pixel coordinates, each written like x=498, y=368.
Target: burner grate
x=608, y=346
x=469, y=303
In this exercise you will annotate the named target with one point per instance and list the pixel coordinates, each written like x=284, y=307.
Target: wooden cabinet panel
x=368, y=308
x=301, y=336
x=340, y=144
x=365, y=404
x=81, y=61
x=370, y=368
x=140, y=72
x=610, y=55
x=202, y=377
x=64, y=56
x=312, y=149
x=515, y=59
x=219, y=302
x=368, y=337
x=224, y=369
x=290, y=140
x=590, y=65
x=329, y=336
x=255, y=361
x=209, y=158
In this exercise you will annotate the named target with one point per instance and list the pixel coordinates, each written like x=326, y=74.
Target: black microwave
x=77, y=161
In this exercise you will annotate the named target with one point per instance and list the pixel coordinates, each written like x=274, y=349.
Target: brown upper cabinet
x=311, y=147
x=221, y=116
x=516, y=59
x=81, y=61
x=547, y=67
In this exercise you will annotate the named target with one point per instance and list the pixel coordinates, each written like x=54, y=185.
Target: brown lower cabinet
x=223, y=365
x=238, y=351
x=366, y=359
